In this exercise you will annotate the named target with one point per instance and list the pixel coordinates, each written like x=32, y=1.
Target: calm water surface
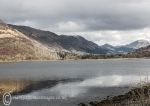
x=100, y=78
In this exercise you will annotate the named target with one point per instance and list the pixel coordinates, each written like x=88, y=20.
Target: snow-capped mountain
x=138, y=44
x=126, y=48
x=26, y=43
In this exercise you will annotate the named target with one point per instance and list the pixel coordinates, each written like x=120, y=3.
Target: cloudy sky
x=102, y=21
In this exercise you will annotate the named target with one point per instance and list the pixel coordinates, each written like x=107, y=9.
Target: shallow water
x=100, y=78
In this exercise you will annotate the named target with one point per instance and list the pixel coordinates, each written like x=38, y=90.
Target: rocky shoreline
x=139, y=96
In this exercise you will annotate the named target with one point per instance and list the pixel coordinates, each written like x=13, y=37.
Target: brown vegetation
x=12, y=86
x=136, y=97
x=14, y=46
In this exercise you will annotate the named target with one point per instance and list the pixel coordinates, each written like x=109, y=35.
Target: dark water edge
x=32, y=86
x=44, y=84
x=139, y=96
x=95, y=75
x=102, y=92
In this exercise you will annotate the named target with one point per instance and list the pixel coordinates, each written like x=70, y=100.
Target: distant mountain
x=126, y=48
x=75, y=44
x=123, y=50
x=24, y=43
x=14, y=45
x=142, y=52
x=78, y=43
x=117, y=49
x=108, y=46
x=138, y=44
x=110, y=49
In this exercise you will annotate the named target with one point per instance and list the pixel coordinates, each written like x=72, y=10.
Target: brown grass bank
x=139, y=96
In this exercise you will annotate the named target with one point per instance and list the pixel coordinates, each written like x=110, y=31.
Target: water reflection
x=100, y=78
x=76, y=89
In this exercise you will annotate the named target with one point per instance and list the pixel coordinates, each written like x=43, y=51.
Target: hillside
x=142, y=52
x=26, y=43
x=16, y=46
x=124, y=49
x=138, y=44
x=75, y=44
x=117, y=49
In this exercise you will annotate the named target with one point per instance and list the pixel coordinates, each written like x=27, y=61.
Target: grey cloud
x=94, y=15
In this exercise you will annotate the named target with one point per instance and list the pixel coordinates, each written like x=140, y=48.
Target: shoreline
x=19, y=61
x=19, y=87
x=135, y=95
x=138, y=96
